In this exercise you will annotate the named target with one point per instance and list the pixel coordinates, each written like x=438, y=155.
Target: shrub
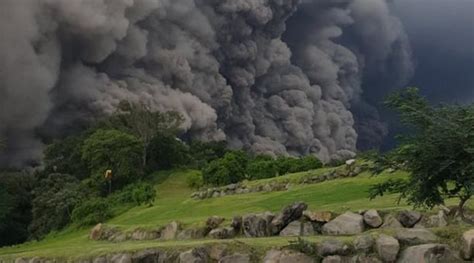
x=91, y=212
x=227, y=170
x=202, y=153
x=195, y=180
x=262, y=169
x=138, y=194
x=294, y=165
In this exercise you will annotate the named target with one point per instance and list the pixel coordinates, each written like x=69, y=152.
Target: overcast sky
x=442, y=36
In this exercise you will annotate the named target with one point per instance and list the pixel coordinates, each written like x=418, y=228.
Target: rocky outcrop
x=318, y=217
x=257, y=225
x=197, y=255
x=387, y=248
x=223, y=233
x=171, y=231
x=414, y=236
x=346, y=224
x=428, y=253
x=214, y=222
x=372, y=218
x=390, y=221
x=364, y=244
x=236, y=258
x=286, y=216
x=409, y=218
x=333, y=247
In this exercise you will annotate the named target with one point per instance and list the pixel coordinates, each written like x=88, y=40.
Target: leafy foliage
x=55, y=197
x=65, y=156
x=261, y=169
x=15, y=207
x=138, y=194
x=166, y=152
x=294, y=165
x=227, y=170
x=439, y=153
x=92, y=212
x=202, y=153
x=195, y=180
x=115, y=150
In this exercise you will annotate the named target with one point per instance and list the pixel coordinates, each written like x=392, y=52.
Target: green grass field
x=174, y=203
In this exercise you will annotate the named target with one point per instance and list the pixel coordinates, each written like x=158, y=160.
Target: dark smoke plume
x=272, y=76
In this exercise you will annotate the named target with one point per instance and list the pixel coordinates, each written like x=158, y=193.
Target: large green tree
x=438, y=152
x=145, y=123
x=113, y=150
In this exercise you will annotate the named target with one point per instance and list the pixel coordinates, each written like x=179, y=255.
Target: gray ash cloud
x=272, y=76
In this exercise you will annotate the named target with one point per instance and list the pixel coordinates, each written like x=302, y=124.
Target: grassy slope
x=173, y=203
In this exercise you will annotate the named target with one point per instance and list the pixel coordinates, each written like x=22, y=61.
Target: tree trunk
x=461, y=211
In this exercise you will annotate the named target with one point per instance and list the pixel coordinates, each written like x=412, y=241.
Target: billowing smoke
x=272, y=76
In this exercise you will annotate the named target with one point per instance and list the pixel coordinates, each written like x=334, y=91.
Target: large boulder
x=332, y=247
x=171, y=231
x=237, y=223
x=222, y=233
x=218, y=251
x=415, y=236
x=346, y=224
x=438, y=220
x=318, y=217
x=467, y=250
x=286, y=216
x=197, y=255
x=428, y=253
x=143, y=234
x=103, y=232
x=193, y=233
x=364, y=244
x=257, y=225
x=409, y=218
x=387, y=248
x=293, y=229
x=390, y=221
x=236, y=258
x=148, y=255
x=372, y=218
x=121, y=258
x=277, y=256
x=214, y=222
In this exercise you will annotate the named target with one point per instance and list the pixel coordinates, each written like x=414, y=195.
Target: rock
x=319, y=217
x=333, y=259
x=409, y=218
x=257, y=225
x=332, y=247
x=100, y=260
x=102, y=232
x=439, y=220
x=415, y=236
x=121, y=258
x=222, y=233
x=197, y=255
x=288, y=214
x=365, y=259
x=391, y=222
x=372, y=218
x=293, y=229
x=364, y=244
x=277, y=256
x=21, y=260
x=346, y=224
x=214, y=222
x=387, y=248
x=350, y=162
x=237, y=223
x=236, y=258
x=428, y=253
x=218, y=251
x=307, y=229
x=149, y=255
x=142, y=234
x=170, y=231
x=467, y=250
x=193, y=233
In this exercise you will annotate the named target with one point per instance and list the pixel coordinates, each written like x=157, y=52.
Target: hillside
x=173, y=202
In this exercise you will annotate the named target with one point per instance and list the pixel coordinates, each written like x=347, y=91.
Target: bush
x=138, y=194
x=92, y=212
x=262, y=169
x=227, y=170
x=294, y=165
x=202, y=153
x=195, y=180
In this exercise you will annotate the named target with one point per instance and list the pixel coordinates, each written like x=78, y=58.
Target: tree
x=113, y=150
x=145, y=123
x=439, y=153
x=65, y=156
x=55, y=197
x=15, y=207
x=165, y=151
